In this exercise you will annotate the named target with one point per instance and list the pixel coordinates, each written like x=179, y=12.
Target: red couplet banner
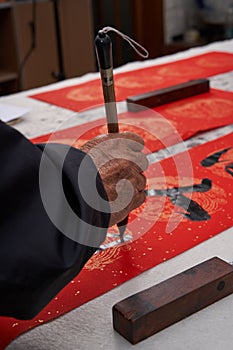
x=188, y=202
x=160, y=127
x=89, y=94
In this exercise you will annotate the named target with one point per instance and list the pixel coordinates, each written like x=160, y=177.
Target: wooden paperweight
x=149, y=311
x=171, y=94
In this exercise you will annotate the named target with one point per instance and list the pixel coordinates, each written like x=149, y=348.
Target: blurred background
x=45, y=41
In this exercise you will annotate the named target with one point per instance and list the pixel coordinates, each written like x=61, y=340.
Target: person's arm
x=36, y=259
x=56, y=205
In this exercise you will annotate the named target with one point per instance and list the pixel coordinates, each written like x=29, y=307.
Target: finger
x=137, y=160
x=138, y=142
x=123, y=135
x=138, y=200
x=119, y=169
x=139, y=182
x=135, y=141
x=115, y=169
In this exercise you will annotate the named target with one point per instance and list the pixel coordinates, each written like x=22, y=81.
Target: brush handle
x=103, y=45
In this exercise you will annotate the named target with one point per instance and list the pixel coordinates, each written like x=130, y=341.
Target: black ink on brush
x=103, y=46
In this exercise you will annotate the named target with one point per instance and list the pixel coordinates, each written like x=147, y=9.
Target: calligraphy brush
x=103, y=45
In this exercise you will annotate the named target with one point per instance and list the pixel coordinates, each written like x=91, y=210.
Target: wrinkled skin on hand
x=120, y=162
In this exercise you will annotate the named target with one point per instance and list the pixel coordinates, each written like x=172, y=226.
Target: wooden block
x=149, y=311
x=174, y=93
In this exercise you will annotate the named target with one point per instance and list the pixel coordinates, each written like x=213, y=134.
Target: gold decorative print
x=212, y=62
x=137, y=81
x=150, y=128
x=150, y=125
x=102, y=258
x=85, y=93
x=107, y=256
x=174, y=71
x=203, y=107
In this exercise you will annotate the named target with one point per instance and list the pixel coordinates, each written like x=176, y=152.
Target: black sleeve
x=47, y=231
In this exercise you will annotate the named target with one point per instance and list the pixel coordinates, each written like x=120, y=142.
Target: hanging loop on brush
x=141, y=51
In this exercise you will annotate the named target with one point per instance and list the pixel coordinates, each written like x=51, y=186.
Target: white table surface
x=90, y=325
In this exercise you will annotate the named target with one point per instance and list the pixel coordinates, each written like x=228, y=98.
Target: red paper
x=162, y=127
x=170, y=230
x=89, y=95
